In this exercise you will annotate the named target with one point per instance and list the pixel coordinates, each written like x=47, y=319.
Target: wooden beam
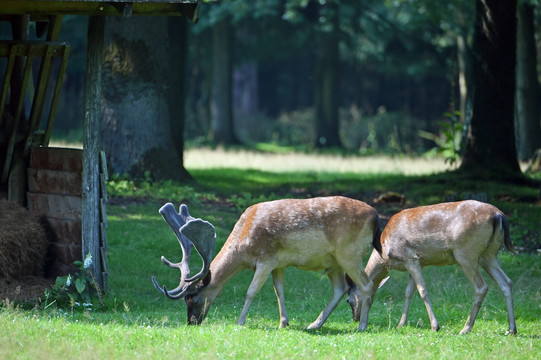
x=55, y=23
x=56, y=96
x=19, y=108
x=38, y=8
x=91, y=145
x=39, y=97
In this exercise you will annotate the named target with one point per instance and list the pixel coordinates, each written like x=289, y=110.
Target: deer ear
x=206, y=279
x=350, y=282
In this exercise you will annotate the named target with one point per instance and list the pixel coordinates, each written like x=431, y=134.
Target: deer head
x=189, y=232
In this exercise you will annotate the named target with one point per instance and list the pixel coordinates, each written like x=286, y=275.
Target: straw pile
x=23, y=242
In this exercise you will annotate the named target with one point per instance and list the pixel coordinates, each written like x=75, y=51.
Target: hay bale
x=23, y=242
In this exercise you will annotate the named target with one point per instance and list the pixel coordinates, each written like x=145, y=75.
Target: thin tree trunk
x=327, y=89
x=177, y=28
x=221, y=113
x=528, y=90
x=490, y=149
x=463, y=76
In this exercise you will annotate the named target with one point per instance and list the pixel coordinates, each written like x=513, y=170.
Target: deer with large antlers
x=327, y=233
x=468, y=233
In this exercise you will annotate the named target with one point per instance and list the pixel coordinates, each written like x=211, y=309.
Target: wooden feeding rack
x=28, y=106
x=25, y=54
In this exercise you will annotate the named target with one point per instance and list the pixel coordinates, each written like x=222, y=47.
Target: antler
x=189, y=232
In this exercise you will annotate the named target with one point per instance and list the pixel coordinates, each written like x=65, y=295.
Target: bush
x=75, y=291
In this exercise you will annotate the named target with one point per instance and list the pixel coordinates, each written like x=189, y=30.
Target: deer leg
x=495, y=271
x=416, y=273
x=409, y=295
x=480, y=289
x=363, y=282
x=278, y=281
x=339, y=286
x=261, y=274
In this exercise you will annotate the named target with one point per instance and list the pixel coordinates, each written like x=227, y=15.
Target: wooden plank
x=103, y=212
x=56, y=96
x=103, y=165
x=39, y=97
x=103, y=237
x=105, y=281
x=7, y=80
x=67, y=231
x=55, y=24
x=105, y=263
x=55, y=206
x=55, y=182
x=61, y=159
x=91, y=144
x=21, y=49
x=18, y=111
x=17, y=179
x=103, y=188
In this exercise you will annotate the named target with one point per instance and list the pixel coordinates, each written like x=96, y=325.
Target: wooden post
x=91, y=145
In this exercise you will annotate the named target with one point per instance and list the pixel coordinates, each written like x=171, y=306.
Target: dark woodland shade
x=491, y=139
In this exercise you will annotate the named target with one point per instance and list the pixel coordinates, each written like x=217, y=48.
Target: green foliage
x=382, y=132
x=75, y=291
x=362, y=132
x=449, y=144
x=246, y=199
x=125, y=187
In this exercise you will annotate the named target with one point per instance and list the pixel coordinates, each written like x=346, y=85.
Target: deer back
x=302, y=232
x=433, y=233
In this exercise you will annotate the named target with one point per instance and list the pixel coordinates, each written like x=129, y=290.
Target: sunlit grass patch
x=140, y=323
x=204, y=158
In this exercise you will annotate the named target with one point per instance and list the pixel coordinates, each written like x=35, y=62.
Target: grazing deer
x=328, y=233
x=468, y=233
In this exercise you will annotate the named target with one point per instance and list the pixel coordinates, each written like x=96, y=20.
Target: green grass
x=139, y=323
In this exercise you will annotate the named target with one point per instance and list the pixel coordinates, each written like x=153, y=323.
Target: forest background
x=387, y=77
x=363, y=77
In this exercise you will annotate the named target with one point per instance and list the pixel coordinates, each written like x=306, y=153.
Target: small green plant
x=449, y=142
x=75, y=291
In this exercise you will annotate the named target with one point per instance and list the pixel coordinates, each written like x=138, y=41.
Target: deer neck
x=224, y=266
x=376, y=269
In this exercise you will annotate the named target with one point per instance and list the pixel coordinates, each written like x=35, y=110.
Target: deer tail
x=376, y=240
x=501, y=220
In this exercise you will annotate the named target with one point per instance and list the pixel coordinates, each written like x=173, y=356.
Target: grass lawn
x=139, y=323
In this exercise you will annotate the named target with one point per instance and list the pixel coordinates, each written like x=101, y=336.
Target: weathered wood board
x=55, y=206
x=55, y=194
x=62, y=159
x=55, y=182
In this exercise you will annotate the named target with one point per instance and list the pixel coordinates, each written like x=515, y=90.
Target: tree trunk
x=245, y=101
x=142, y=99
x=221, y=113
x=463, y=77
x=490, y=148
x=327, y=88
x=177, y=31
x=528, y=91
